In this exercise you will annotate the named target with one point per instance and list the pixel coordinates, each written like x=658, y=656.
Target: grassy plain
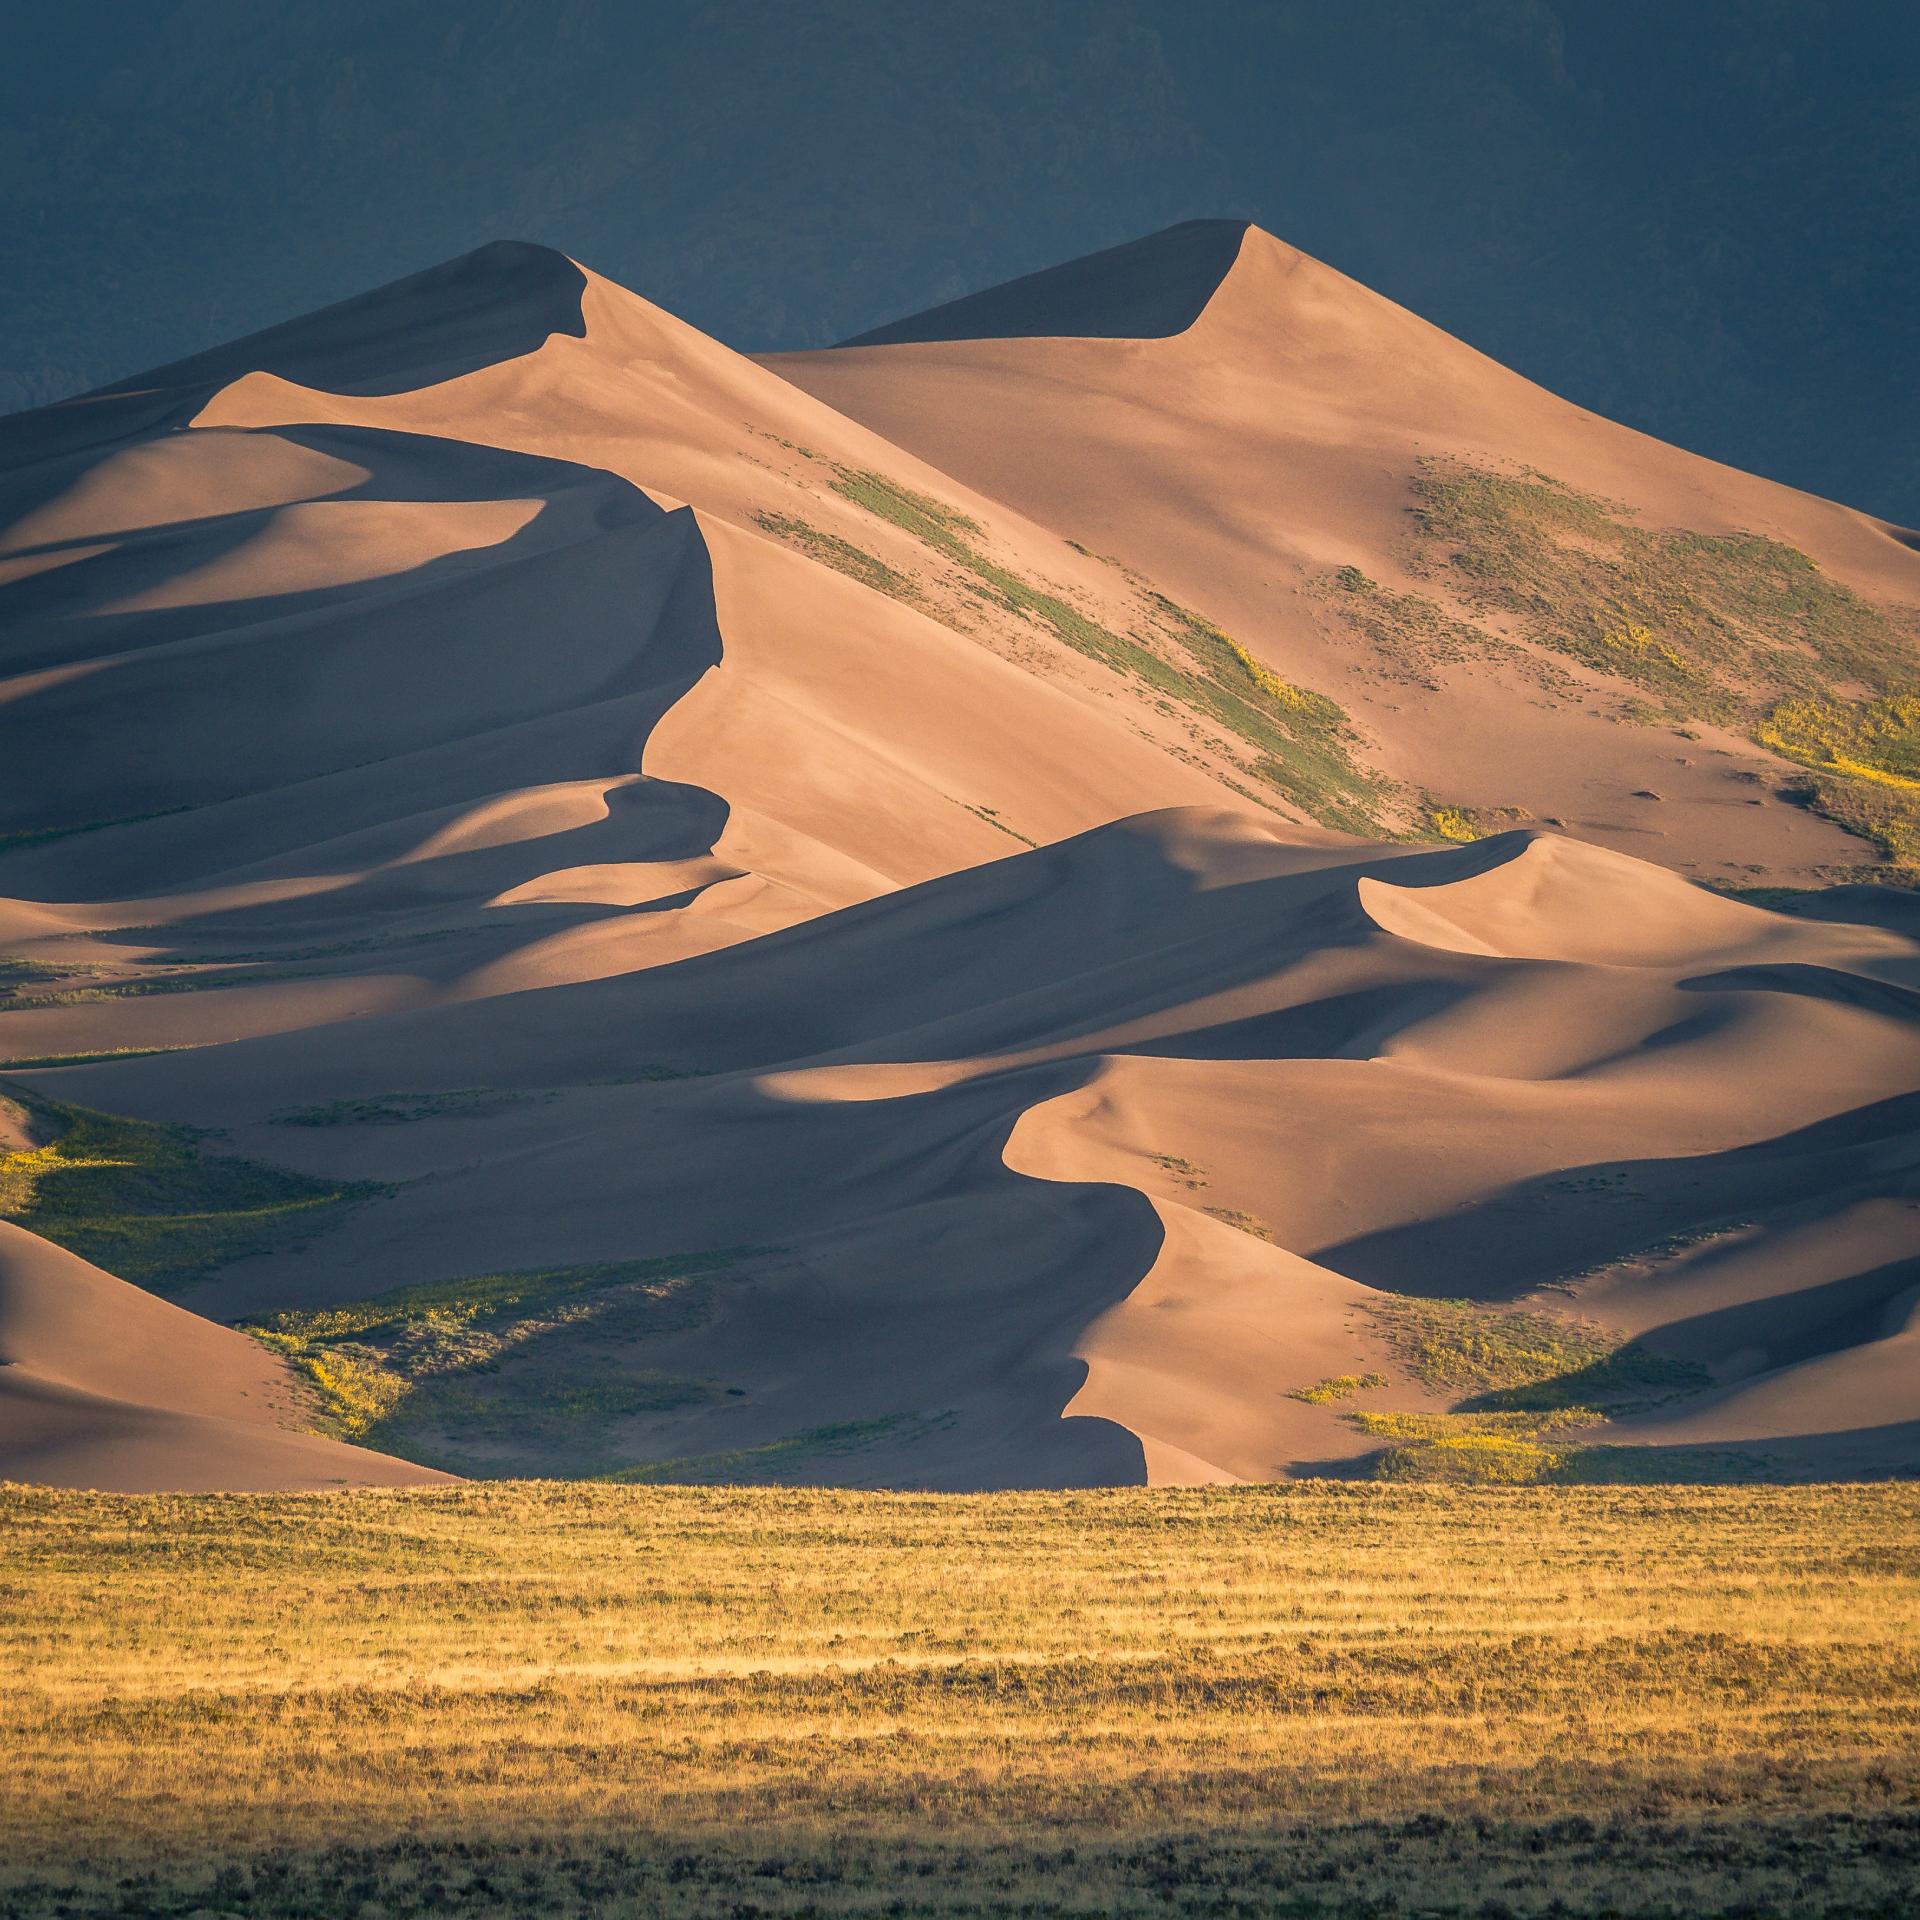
x=1314, y=1699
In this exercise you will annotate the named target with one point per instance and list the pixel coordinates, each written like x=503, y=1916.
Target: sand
x=470, y=687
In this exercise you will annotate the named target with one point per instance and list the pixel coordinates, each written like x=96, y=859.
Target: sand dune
x=1272, y=439
x=102, y=1385
x=764, y=891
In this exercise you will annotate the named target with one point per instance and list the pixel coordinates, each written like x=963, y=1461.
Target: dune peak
x=497, y=302
x=1145, y=289
x=1539, y=896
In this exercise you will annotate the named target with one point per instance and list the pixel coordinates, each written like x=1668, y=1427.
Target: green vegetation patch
x=1876, y=740
x=930, y=521
x=1298, y=742
x=16, y=972
x=1342, y=1386
x=1865, y=759
x=1249, y=1223
x=1543, y=1449
x=1188, y=1172
x=1453, y=823
x=1463, y=825
x=1508, y=1358
x=147, y=1203
x=463, y=1362
x=146, y=986
x=841, y=555
x=23, y=1062
x=1527, y=1382
x=1410, y=633
x=1302, y=740
x=1732, y=627
x=1704, y=623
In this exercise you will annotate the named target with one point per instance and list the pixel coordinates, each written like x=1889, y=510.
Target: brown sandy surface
x=1272, y=438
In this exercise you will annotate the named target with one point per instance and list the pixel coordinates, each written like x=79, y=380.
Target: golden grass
x=1865, y=758
x=536, y=1697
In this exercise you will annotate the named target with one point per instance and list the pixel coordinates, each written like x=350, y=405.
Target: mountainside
x=1099, y=888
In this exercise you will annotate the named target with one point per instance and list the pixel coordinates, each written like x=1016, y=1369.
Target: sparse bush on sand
x=1342, y=1386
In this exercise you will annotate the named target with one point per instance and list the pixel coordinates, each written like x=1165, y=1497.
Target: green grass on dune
x=1293, y=742
x=1341, y=1386
x=1532, y=1393
x=24, y=1063
x=504, y=1371
x=1864, y=758
x=1510, y=1358
x=150, y=1203
x=1734, y=628
x=841, y=555
x=1704, y=623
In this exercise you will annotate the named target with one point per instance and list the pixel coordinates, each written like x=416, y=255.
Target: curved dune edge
x=104, y=1386
x=1196, y=1361
x=1542, y=897
x=1156, y=288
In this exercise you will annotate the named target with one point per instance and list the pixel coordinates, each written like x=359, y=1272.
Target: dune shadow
x=64, y=613
x=1834, y=985
x=497, y=303
x=1147, y=289
x=1799, y=1325
x=300, y=720
x=1559, y=1225
x=1340, y=1026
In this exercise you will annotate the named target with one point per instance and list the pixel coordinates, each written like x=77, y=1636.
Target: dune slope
x=1518, y=602
x=102, y=1385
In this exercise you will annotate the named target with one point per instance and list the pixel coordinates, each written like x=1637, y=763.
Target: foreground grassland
x=1358, y=1700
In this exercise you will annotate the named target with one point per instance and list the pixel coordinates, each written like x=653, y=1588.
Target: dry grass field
x=1314, y=1699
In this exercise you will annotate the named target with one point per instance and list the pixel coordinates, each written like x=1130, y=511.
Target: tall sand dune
x=1282, y=439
